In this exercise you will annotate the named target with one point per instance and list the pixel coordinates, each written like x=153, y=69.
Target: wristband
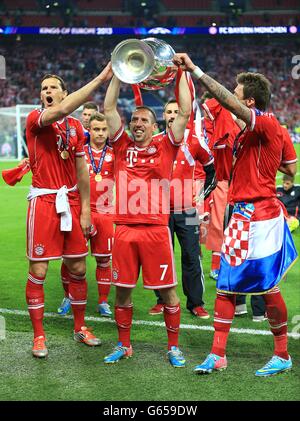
x=198, y=73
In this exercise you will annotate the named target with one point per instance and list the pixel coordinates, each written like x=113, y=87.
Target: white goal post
x=12, y=127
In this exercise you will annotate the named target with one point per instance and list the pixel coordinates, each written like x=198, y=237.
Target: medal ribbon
x=95, y=169
x=65, y=145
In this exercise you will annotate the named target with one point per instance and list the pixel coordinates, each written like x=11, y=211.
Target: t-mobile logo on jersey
x=131, y=157
x=296, y=69
x=2, y=68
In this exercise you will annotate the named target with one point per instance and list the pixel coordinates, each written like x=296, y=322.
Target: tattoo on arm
x=226, y=98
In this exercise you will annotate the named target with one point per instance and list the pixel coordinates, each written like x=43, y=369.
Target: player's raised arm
x=112, y=116
x=184, y=109
x=223, y=95
x=51, y=88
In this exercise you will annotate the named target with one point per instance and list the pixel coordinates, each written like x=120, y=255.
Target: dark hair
x=144, y=107
x=91, y=106
x=171, y=101
x=61, y=81
x=97, y=116
x=288, y=178
x=256, y=86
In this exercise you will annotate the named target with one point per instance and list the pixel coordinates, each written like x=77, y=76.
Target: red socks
x=103, y=278
x=35, y=301
x=78, y=297
x=276, y=312
x=277, y=316
x=224, y=314
x=172, y=321
x=123, y=316
x=65, y=279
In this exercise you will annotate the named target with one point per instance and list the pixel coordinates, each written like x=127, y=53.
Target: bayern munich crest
x=72, y=131
x=115, y=274
x=151, y=149
x=108, y=158
x=39, y=249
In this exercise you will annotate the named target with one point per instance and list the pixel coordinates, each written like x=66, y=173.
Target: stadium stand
x=154, y=13
x=223, y=59
x=275, y=4
x=27, y=65
x=187, y=4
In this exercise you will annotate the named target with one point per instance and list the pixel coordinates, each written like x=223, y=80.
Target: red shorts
x=45, y=240
x=101, y=243
x=146, y=246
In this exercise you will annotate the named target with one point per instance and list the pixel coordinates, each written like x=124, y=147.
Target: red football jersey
x=289, y=155
x=143, y=179
x=101, y=191
x=48, y=168
x=182, y=190
x=221, y=139
x=259, y=153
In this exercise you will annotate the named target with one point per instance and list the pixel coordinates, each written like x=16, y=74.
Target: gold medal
x=98, y=177
x=64, y=154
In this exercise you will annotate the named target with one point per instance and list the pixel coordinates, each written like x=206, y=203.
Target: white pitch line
x=149, y=323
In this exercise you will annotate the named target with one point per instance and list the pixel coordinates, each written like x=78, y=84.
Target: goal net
x=12, y=131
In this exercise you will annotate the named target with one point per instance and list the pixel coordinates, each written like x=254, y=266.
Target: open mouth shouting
x=49, y=100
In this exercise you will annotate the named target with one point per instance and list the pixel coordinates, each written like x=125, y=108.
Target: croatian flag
x=255, y=254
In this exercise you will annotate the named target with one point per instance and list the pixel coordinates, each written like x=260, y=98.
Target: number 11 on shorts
x=164, y=271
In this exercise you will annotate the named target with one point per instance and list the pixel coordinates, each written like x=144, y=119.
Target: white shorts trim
x=160, y=286
x=37, y=259
x=123, y=285
x=101, y=255
x=73, y=256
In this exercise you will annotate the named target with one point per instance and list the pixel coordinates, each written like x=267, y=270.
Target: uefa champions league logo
x=2, y=68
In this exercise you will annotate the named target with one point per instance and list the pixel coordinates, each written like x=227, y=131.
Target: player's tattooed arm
x=226, y=98
x=218, y=91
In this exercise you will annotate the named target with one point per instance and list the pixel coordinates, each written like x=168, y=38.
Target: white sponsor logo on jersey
x=131, y=157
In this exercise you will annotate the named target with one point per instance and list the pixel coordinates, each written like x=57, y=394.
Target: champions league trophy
x=146, y=62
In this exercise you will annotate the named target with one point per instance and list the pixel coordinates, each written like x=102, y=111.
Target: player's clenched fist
x=184, y=61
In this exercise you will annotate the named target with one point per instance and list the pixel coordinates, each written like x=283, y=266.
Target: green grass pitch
x=76, y=372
